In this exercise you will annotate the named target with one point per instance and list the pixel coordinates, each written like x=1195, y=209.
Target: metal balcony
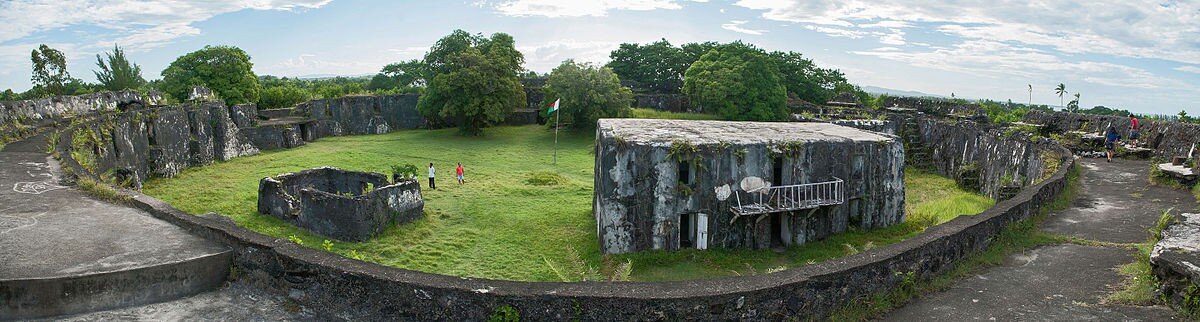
x=789, y=198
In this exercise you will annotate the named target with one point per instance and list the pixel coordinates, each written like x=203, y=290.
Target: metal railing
x=789, y=198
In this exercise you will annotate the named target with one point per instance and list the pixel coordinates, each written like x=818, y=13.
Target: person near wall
x=459, y=172
x=1110, y=141
x=1135, y=129
x=431, y=184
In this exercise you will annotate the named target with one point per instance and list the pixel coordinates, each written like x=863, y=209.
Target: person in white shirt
x=431, y=184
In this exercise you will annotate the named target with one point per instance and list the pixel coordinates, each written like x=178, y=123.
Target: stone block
x=346, y=205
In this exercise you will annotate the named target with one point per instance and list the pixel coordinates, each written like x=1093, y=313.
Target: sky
x=1138, y=55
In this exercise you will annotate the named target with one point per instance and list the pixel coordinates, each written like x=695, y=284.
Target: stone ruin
x=674, y=184
x=345, y=205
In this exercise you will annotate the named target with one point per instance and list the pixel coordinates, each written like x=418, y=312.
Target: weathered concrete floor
x=47, y=230
x=232, y=303
x=1067, y=282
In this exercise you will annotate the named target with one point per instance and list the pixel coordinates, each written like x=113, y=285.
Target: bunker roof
x=651, y=131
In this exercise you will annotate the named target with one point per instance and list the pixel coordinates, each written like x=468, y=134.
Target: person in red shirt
x=1135, y=129
x=459, y=172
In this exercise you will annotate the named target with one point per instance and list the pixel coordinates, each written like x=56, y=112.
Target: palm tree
x=1060, y=90
x=1073, y=106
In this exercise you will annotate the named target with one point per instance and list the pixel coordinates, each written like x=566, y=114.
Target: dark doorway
x=687, y=238
x=685, y=172
x=776, y=230
x=777, y=173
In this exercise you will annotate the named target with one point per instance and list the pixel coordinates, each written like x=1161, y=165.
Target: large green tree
x=226, y=70
x=117, y=73
x=50, y=70
x=587, y=93
x=654, y=67
x=474, y=81
x=738, y=82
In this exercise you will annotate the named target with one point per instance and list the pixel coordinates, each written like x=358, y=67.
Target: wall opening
x=687, y=231
x=685, y=172
x=777, y=172
x=777, y=230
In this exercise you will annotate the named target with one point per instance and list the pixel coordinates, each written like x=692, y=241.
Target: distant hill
x=327, y=76
x=880, y=90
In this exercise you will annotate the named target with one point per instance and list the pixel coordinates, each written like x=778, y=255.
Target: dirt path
x=1067, y=282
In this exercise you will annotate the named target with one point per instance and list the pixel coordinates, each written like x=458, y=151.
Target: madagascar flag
x=553, y=107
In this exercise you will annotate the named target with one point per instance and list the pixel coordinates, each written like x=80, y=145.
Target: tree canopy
x=226, y=70
x=738, y=82
x=405, y=74
x=116, y=72
x=473, y=81
x=587, y=93
x=50, y=70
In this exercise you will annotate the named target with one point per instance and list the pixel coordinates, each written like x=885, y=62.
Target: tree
x=588, y=93
x=50, y=70
x=399, y=75
x=117, y=73
x=655, y=67
x=475, y=80
x=738, y=82
x=1060, y=90
x=1073, y=106
x=226, y=70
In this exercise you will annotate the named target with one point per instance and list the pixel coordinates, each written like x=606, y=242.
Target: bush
x=283, y=97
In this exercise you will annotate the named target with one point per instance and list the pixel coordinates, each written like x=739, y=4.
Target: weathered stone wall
x=59, y=106
x=1167, y=139
x=346, y=205
x=331, y=284
x=1001, y=161
x=882, y=126
x=639, y=199
x=935, y=106
x=357, y=115
x=136, y=145
x=1174, y=261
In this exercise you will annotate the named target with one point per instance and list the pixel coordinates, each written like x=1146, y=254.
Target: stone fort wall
x=1167, y=139
x=324, y=281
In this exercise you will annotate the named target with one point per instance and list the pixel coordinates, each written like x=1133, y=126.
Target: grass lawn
x=518, y=217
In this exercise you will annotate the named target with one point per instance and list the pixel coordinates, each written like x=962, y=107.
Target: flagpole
x=556, y=113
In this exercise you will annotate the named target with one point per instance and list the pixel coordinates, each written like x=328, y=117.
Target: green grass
x=518, y=217
x=649, y=113
x=1140, y=282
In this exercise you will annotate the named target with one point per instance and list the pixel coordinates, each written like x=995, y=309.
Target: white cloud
x=1164, y=30
x=595, y=8
x=137, y=23
x=736, y=26
x=837, y=32
x=1003, y=60
x=1189, y=69
x=895, y=37
x=544, y=57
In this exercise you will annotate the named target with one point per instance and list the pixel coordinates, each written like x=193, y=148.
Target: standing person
x=459, y=172
x=431, y=184
x=1135, y=129
x=1110, y=141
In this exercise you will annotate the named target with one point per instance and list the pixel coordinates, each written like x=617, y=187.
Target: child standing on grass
x=459, y=171
x=431, y=185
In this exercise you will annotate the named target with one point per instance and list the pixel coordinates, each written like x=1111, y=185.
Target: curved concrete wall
x=326, y=282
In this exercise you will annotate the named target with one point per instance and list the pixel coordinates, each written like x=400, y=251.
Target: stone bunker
x=345, y=205
x=675, y=184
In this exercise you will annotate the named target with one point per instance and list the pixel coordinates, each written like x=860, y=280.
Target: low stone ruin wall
x=935, y=106
x=1174, y=261
x=882, y=126
x=664, y=102
x=1167, y=139
x=997, y=159
x=59, y=106
x=346, y=205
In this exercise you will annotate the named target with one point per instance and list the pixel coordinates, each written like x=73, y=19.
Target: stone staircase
x=917, y=154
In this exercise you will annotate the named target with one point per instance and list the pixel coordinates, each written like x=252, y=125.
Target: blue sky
x=1139, y=55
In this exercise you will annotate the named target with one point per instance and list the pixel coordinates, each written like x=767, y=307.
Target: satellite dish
x=752, y=184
